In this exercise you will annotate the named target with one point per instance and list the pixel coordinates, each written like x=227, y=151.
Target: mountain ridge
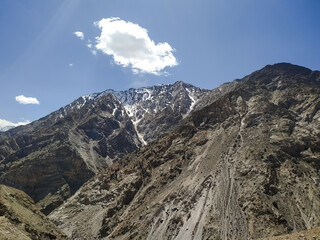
x=176, y=161
x=244, y=166
x=86, y=137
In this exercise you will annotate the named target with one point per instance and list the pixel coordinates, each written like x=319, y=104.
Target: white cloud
x=6, y=125
x=131, y=46
x=79, y=35
x=26, y=100
x=70, y=64
x=93, y=51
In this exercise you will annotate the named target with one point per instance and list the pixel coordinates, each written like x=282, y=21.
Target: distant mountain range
x=177, y=162
x=88, y=135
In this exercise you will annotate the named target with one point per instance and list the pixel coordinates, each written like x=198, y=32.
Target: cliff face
x=245, y=166
x=21, y=220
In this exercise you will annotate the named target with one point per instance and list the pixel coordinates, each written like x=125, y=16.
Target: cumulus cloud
x=79, y=35
x=130, y=46
x=26, y=100
x=6, y=125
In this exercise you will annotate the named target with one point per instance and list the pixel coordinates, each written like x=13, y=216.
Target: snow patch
x=193, y=102
x=114, y=111
x=140, y=136
x=130, y=109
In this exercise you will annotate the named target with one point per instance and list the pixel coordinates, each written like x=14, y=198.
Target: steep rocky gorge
x=245, y=166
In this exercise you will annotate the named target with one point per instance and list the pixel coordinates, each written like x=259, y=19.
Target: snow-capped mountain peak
x=146, y=103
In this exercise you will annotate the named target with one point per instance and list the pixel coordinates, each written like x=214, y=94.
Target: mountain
x=21, y=220
x=46, y=158
x=245, y=166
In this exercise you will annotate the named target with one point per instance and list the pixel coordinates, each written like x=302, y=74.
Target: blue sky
x=211, y=41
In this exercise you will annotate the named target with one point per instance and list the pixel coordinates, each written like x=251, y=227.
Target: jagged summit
x=133, y=96
x=147, y=103
x=146, y=106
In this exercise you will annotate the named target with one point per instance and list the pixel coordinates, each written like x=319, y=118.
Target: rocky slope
x=46, y=158
x=245, y=166
x=311, y=234
x=21, y=220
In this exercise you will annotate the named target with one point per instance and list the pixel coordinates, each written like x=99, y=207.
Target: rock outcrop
x=245, y=166
x=20, y=219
